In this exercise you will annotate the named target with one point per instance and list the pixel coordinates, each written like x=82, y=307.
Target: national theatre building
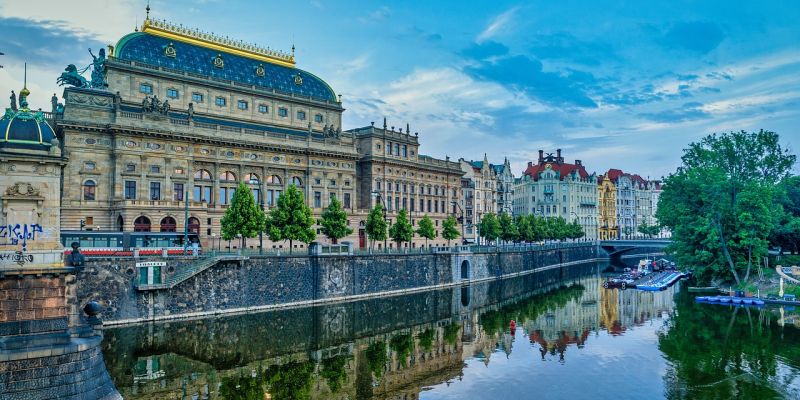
x=172, y=112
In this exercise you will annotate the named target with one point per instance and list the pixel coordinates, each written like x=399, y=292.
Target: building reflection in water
x=387, y=348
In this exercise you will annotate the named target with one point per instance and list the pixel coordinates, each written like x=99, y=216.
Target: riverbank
x=261, y=283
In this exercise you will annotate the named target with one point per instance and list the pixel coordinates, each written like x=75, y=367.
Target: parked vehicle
x=623, y=281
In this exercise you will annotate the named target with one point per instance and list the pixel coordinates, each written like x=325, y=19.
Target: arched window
x=202, y=174
x=252, y=179
x=297, y=181
x=227, y=176
x=168, y=224
x=274, y=180
x=194, y=225
x=120, y=223
x=89, y=190
x=141, y=224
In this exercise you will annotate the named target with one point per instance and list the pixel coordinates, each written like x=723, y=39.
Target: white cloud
x=106, y=20
x=497, y=24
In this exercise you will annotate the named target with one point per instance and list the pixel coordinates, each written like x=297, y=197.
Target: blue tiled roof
x=149, y=49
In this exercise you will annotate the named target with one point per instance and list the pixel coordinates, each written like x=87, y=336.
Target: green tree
x=489, y=227
x=786, y=233
x=334, y=221
x=376, y=225
x=401, y=231
x=449, y=229
x=646, y=229
x=524, y=228
x=425, y=229
x=243, y=217
x=719, y=202
x=575, y=230
x=508, y=229
x=291, y=219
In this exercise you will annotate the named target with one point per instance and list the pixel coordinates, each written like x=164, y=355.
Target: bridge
x=616, y=249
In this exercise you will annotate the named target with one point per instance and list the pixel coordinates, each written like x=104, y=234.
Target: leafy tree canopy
x=243, y=216
x=291, y=219
x=401, y=231
x=334, y=221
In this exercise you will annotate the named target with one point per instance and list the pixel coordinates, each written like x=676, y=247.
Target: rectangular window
x=130, y=190
x=378, y=185
x=331, y=196
x=405, y=206
x=301, y=115
x=223, y=195
x=405, y=151
x=397, y=149
x=242, y=105
x=397, y=203
x=318, y=118
x=270, y=199
x=317, y=199
x=177, y=190
x=220, y=101
x=389, y=203
x=130, y=168
x=347, y=200
x=256, y=195
x=389, y=148
x=207, y=194
x=197, y=194
x=332, y=182
x=422, y=205
x=263, y=108
x=429, y=205
x=155, y=190
x=413, y=189
x=155, y=169
x=197, y=97
x=283, y=112
x=411, y=202
x=146, y=88
x=172, y=93
x=436, y=206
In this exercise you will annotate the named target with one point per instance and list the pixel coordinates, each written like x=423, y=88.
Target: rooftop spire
x=23, y=94
x=147, y=10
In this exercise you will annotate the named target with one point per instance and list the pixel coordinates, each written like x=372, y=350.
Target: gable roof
x=563, y=170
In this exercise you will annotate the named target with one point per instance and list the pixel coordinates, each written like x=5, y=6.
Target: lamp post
x=385, y=218
x=213, y=239
x=463, y=220
x=186, y=223
x=254, y=181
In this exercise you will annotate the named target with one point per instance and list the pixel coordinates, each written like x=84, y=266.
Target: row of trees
x=527, y=228
x=732, y=197
x=402, y=231
x=293, y=220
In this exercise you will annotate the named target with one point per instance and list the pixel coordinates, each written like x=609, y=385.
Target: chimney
x=530, y=164
x=541, y=156
x=558, y=156
x=577, y=162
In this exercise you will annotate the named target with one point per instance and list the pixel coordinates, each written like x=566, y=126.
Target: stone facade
x=637, y=201
x=392, y=171
x=480, y=194
x=554, y=188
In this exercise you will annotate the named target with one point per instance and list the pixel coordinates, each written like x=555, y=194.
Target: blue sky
x=616, y=84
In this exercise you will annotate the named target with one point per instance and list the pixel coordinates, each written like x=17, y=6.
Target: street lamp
x=463, y=220
x=254, y=181
x=385, y=218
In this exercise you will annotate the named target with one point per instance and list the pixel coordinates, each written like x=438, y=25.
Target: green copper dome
x=25, y=129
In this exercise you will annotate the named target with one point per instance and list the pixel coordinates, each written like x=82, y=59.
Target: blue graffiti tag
x=20, y=233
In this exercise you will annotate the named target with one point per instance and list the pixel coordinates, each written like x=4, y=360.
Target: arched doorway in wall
x=194, y=225
x=168, y=224
x=465, y=269
x=141, y=224
x=120, y=223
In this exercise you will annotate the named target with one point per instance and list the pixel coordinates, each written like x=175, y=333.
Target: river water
x=572, y=339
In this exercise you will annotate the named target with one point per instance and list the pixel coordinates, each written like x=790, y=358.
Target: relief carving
x=22, y=189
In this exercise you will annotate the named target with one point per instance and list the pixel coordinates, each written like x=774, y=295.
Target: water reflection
x=459, y=343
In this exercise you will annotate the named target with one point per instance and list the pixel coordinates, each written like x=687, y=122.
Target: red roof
x=614, y=174
x=563, y=170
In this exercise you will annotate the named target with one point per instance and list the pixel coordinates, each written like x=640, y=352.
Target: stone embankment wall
x=262, y=282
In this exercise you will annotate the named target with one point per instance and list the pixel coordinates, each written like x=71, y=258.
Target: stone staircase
x=189, y=271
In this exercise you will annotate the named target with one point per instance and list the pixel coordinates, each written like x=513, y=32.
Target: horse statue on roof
x=72, y=77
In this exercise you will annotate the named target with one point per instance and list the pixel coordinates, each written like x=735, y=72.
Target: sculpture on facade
x=190, y=111
x=98, y=69
x=331, y=132
x=13, y=101
x=151, y=104
x=72, y=77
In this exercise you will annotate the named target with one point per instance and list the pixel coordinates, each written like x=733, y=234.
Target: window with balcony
x=155, y=190
x=177, y=191
x=130, y=190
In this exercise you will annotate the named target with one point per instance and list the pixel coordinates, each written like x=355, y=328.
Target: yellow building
x=607, y=211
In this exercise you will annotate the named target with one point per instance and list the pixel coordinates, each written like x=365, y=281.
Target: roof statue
x=72, y=76
x=25, y=129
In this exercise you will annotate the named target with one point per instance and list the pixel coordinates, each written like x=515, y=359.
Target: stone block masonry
x=263, y=282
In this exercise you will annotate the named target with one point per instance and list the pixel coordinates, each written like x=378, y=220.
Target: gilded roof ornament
x=209, y=40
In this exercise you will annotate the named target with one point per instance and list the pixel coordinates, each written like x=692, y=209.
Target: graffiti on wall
x=19, y=234
x=17, y=257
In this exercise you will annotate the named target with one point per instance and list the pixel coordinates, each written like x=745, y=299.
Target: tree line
x=527, y=228
x=292, y=219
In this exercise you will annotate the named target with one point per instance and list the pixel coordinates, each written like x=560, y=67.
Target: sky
x=615, y=84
